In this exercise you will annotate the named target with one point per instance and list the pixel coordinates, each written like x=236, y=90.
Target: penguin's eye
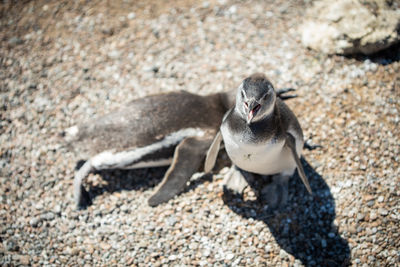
x=264, y=97
x=246, y=105
x=242, y=93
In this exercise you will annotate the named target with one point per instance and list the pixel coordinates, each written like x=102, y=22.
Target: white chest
x=262, y=158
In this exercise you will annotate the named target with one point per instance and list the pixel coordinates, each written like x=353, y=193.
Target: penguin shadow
x=304, y=227
x=116, y=180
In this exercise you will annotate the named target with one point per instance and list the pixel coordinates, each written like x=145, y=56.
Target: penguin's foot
x=275, y=194
x=234, y=181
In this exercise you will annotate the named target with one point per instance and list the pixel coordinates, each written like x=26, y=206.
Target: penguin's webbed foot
x=234, y=181
x=275, y=194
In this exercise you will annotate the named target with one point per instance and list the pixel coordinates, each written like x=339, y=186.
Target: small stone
x=131, y=16
x=57, y=209
x=114, y=54
x=206, y=252
x=71, y=251
x=15, y=41
x=39, y=206
x=34, y=222
x=233, y=9
x=172, y=257
x=11, y=245
x=383, y=211
x=381, y=199
x=171, y=220
x=49, y=216
x=352, y=229
x=373, y=216
x=125, y=208
x=24, y=259
x=360, y=216
x=107, y=31
x=105, y=246
x=229, y=256
x=283, y=254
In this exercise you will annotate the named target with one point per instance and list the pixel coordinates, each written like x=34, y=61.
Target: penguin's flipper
x=188, y=156
x=212, y=153
x=291, y=144
x=281, y=93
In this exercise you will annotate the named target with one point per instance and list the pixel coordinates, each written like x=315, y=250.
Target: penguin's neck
x=266, y=128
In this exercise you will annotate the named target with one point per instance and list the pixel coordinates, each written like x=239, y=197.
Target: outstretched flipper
x=291, y=144
x=308, y=145
x=281, y=93
x=212, y=153
x=188, y=156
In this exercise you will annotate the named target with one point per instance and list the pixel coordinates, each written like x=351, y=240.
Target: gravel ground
x=65, y=61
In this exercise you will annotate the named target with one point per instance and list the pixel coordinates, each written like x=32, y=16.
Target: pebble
x=373, y=216
x=283, y=254
x=383, y=211
x=34, y=222
x=11, y=245
x=131, y=16
x=47, y=216
x=15, y=41
x=229, y=256
x=360, y=216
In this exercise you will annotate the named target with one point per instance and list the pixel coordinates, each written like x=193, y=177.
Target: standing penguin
x=262, y=136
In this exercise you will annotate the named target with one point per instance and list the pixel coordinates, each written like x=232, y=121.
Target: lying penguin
x=173, y=129
x=262, y=137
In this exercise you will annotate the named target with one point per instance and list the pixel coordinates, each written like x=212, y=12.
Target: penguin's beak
x=253, y=108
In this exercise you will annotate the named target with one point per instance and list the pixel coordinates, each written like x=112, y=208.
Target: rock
x=360, y=216
x=48, y=216
x=15, y=41
x=383, y=211
x=71, y=251
x=114, y=54
x=373, y=216
x=131, y=16
x=283, y=254
x=57, y=209
x=229, y=256
x=24, y=259
x=11, y=245
x=351, y=26
x=34, y=222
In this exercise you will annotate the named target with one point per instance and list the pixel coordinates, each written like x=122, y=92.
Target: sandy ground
x=66, y=61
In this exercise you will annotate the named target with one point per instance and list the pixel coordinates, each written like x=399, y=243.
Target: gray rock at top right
x=351, y=26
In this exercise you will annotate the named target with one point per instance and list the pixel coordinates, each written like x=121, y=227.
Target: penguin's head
x=255, y=98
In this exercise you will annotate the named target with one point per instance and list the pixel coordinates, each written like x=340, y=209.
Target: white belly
x=266, y=158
